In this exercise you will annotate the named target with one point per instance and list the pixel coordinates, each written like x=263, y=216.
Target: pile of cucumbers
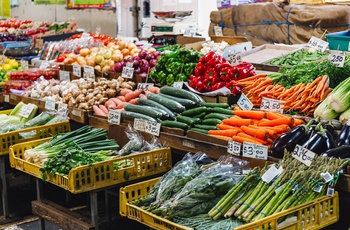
x=178, y=108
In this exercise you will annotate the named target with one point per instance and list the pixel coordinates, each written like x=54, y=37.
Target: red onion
x=144, y=65
x=142, y=54
x=157, y=53
x=153, y=62
x=118, y=67
x=149, y=57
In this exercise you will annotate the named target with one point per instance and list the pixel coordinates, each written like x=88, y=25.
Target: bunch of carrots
x=255, y=126
x=303, y=98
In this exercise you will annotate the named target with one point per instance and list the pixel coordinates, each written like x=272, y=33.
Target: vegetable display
x=298, y=57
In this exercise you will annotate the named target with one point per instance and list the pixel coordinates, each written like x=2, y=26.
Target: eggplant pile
x=317, y=137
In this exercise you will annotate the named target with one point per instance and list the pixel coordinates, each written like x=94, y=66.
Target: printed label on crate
x=273, y=105
x=64, y=75
x=330, y=191
x=270, y=174
x=244, y=102
x=62, y=108
x=234, y=147
x=152, y=127
x=76, y=112
x=188, y=144
x=89, y=72
x=144, y=86
x=24, y=64
x=44, y=65
x=189, y=32
x=139, y=124
x=337, y=59
x=50, y=105
x=127, y=72
x=6, y=98
x=26, y=110
x=254, y=151
x=234, y=58
x=77, y=70
x=13, y=97
x=317, y=44
x=318, y=188
x=114, y=117
x=218, y=31
x=178, y=84
x=303, y=155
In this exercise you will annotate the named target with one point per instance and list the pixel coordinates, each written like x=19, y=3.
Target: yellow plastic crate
x=312, y=215
x=100, y=174
x=7, y=111
x=11, y=138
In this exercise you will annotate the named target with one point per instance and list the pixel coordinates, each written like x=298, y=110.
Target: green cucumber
x=188, y=120
x=143, y=109
x=211, y=121
x=132, y=115
x=177, y=92
x=185, y=102
x=195, y=111
x=144, y=101
x=174, y=124
x=205, y=131
x=170, y=104
x=223, y=111
x=217, y=115
x=207, y=127
x=219, y=105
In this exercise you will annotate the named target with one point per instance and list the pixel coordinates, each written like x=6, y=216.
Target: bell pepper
x=170, y=79
x=188, y=68
x=218, y=85
x=211, y=72
x=209, y=82
x=245, y=70
x=234, y=87
x=224, y=74
x=232, y=73
x=181, y=77
x=222, y=65
x=200, y=69
x=215, y=60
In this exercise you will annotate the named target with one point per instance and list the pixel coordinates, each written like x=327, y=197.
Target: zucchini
x=205, y=131
x=194, y=111
x=170, y=104
x=143, y=101
x=219, y=105
x=174, y=124
x=132, y=115
x=211, y=121
x=217, y=115
x=223, y=111
x=185, y=102
x=177, y=92
x=207, y=127
x=201, y=115
x=146, y=110
x=188, y=120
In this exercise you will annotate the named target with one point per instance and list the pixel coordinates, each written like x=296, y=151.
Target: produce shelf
x=312, y=215
x=98, y=175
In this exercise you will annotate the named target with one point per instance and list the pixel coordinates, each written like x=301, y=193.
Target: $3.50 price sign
x=234, y=147
x=268, y=104
x=303, y=155
x=337, y=59
x=244, y=103
x=144, y=86
x=114, y=117
x=254, y=151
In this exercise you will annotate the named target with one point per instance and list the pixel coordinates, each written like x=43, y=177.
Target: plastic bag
x=135, y=143
x=41, y=119
x=154, y=143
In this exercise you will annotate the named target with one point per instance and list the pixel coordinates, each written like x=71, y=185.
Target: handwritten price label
x=127, y=72
x=26, y=110
x=62, y=108
x=337, y=59
x=24, y=64
x=254, y=151
x=152, y=127
x=77, y=70
x=317, y=44
x=234, y=148
x=114, y=117
x=303, y=155
x=139, y=124
x=178, y=84
x=244, y=103
x=234, y=58
x=268, y=104
x=44, y=65
x=218, y=31
x=189, y=32
x=64, y=75
x=50, y=105
x=144, y=86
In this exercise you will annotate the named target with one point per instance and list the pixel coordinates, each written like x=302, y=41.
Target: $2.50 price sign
x=337, y=59
x=254, y=151
x=234, y=147
x=244, y=103
x=114, y=117
x=303, y=155
x=269, y=104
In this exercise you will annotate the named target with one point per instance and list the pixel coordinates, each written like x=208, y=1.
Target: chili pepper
x=218, y=85
x=170, y=79
x=188, y=68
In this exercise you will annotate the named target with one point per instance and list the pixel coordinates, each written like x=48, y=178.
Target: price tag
x=270, y=174
x=89, y=72
x=244, y=103
x=114, y=117
x=318, y=188
x=234, y=58
x=269, y=104
x=85, y=35
x=337, y=59
x=178, y=84
x=44, y=65
x=62, y=108
x=26, y=110
x=24, y=64
x=76, y=112
x=303, y=155
x=127, y=72
x=327, y=177
x=330, y=191
x=50, y=105
x=218, y=31
x=234, y=147
x=13, y=96
x=77, y=70
x=254, y=151
x=6, y=98
x=144, y=86
x=317, y=44
x=152, y=127
x=189, y=32
x=139, y=124
x=64, y=75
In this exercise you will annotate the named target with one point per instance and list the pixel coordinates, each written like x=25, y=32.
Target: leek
x=339, y=98
x=324, y=111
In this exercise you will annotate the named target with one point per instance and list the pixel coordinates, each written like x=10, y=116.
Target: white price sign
x=178, y=84
x=317, y=44
x=77, y=70
x=127, y=72
x=62, y=108
x=26, y=110
x=189, y=32
x=234, y=147
x=144, y=86
x=44, y=65
x=64, y=75
x=139, y=124
x=254, y=151
x=303, y=155
x=152, y=127
x=218, y=31
x=89, y=72
x=50, y=105
x=268, y=104
x=337, y=59
x=114, y=117
x=244, y=102
x=24, y=64
x=234, y=58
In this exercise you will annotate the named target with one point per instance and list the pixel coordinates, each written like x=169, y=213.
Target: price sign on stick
x=178, y=84
x=303, y=155
x=254, y=151
x=317, y=44
x=218, y=31
x=144, y=86
x=234, y=147
x=269, y=104
x=244, y=102
x=89, y=72
x=127, y=72
x=234, y=58
x=337, y=59
x=114, y=117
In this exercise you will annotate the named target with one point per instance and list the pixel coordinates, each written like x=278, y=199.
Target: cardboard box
x=182, y=40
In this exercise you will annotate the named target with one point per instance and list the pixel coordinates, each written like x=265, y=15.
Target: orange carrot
x=260, y=75
x=298, y=121
x=237, y=122
x=132, y=95
x=252, y=114
x=236, y=108
x=245, y=139
x=286, y=128
x=222, y=137
x=279, y=121
x=259, y=133
x=225, y=127
x=275, y=128
x=227, y=132
x=272, y=115
x=272, y=133
x=98, y=111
